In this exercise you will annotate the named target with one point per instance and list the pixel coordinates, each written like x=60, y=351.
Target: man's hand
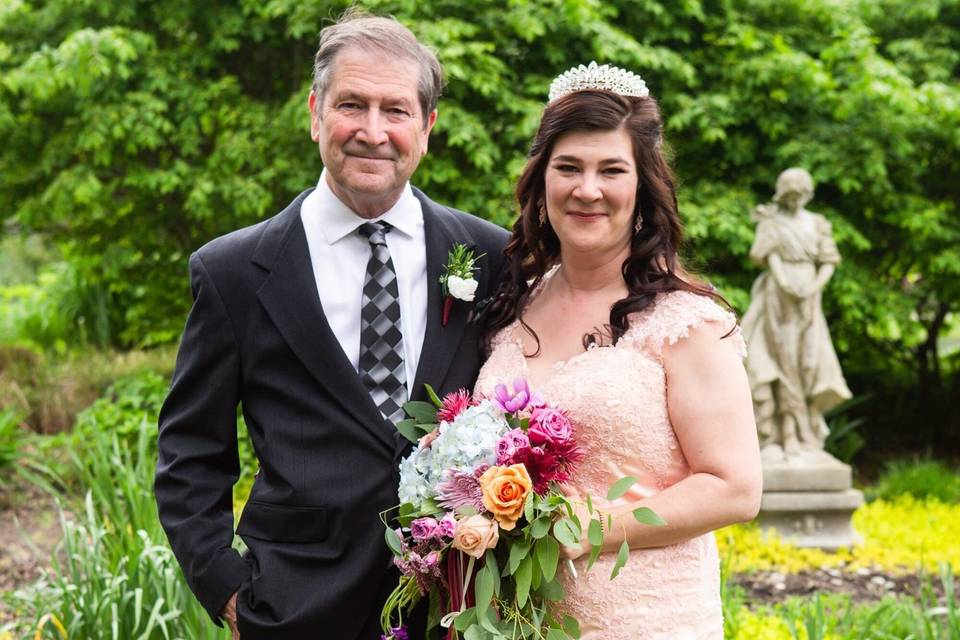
x=229, y=614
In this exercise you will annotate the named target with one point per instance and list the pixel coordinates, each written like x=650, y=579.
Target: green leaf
x=589, y=504
x=422, y=412
x=571, y=626
x=490, y=562
x=393, y=541
x=595, y=532
x=409, y=430
x=622, y=556
x=518, y=551
x=529, y=506
x=620, y=487
x=646, y=515
x=540, y=527
x=565, y=531
x=556, y=634
x=548, y=554
x=523, y=577
x=552, y=590
x=434, y=398
x=466, y=619
x=483, y=589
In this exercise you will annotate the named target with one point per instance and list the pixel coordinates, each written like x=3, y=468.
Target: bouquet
x=483, y=517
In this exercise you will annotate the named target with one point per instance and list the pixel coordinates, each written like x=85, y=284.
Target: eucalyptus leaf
x=566, y=532
x=393, y=541
x=548, y=554
x=540, y=527
x=523, y=577
x=518, y=551
x=646, y=515
x=483, y=590
x=620, y=487
x=622, y=556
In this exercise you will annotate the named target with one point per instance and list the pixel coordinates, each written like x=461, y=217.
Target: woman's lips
x=586, y=216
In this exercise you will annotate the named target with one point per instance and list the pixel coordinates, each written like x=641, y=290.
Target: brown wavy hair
x=652, y=266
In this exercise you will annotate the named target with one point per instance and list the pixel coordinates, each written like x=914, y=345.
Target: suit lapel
x=440, y=343
x=289, y=296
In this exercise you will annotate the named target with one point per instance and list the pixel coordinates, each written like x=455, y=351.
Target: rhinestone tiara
x=603, y=77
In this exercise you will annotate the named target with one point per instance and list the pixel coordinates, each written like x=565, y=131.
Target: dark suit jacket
x=256, y=336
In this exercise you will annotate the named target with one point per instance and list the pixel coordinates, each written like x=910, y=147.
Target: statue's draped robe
x=791, y=363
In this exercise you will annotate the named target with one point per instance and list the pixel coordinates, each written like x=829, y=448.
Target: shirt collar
x=337, y=220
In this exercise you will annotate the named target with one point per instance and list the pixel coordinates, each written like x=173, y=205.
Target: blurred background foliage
x=136, y=131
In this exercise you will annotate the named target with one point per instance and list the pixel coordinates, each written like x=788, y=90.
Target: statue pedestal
x=808, y=499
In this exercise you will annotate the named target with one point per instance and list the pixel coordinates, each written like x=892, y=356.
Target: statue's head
x=794, y=188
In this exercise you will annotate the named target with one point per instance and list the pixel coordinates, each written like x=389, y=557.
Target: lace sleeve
x=673, y=316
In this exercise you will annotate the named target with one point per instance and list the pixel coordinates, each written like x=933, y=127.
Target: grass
x=836, y=617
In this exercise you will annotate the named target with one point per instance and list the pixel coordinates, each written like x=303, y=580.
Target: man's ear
x=428, y=127
x=313, y=102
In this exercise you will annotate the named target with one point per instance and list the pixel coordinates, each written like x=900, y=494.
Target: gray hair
x=357, y=28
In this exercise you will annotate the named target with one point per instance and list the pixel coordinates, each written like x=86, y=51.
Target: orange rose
x=505, y=490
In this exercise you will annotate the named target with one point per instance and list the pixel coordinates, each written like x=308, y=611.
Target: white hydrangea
x=464, y=444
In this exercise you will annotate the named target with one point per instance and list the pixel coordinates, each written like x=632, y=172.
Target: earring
x=638, y=225
x=543, y=214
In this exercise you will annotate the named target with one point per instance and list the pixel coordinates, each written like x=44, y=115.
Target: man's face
x=370, y=128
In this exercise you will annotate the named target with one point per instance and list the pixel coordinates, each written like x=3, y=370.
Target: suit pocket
x=283, y=523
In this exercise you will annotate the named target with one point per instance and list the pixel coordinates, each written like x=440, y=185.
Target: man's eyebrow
x=349, y=94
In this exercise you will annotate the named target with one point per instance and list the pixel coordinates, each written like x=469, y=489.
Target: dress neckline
x=517, y=340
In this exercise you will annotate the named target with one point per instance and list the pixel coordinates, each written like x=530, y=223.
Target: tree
x=135, y=132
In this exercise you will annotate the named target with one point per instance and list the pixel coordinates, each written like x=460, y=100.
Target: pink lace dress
x=615, y=397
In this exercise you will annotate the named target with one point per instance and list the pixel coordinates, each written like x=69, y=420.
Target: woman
x=793, y=370
x=598, y=314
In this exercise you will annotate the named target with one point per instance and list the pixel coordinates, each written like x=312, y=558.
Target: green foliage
x=919, y=478
x=845, y=439
x=135, y=133
x=50, y=388
x=113, y=575
x=11, y=438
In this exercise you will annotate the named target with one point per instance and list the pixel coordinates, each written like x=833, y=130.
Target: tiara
x=603, y=77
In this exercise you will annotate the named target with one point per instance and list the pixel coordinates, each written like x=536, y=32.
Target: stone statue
x=794, y=372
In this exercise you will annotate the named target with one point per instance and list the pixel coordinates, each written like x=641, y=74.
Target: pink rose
x=512, y=443
x=424, y=529
x=475, y=535
x=549, y=426
x=448, y=525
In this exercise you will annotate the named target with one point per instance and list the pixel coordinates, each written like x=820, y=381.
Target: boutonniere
x=458, y=282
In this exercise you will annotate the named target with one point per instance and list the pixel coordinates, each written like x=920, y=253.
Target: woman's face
x=591, y=191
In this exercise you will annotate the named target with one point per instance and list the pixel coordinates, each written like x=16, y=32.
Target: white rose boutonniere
x=458, y=282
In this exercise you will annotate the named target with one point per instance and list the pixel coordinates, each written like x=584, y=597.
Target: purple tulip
x=516, y=401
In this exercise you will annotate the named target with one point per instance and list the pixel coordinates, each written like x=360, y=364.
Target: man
x=320, y=322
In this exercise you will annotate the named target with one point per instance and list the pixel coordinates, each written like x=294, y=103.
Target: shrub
x=920, y=479
x=50, y=389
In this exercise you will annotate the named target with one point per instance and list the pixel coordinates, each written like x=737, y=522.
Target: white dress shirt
x=339, y=255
